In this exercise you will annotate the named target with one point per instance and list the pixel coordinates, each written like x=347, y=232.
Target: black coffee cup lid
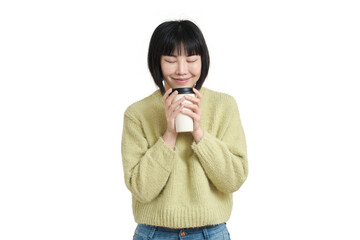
x=183, y=90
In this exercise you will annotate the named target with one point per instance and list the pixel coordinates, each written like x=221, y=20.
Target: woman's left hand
x=195, y=114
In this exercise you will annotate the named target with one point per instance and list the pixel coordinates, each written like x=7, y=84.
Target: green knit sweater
x=191, y=185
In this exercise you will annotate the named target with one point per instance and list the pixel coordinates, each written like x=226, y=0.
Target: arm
x=146, y=168
x=225, y=160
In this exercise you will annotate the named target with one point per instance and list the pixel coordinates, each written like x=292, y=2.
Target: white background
x=69, y=69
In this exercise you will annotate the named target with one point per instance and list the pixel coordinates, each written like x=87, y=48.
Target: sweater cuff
x=204, y=145
x=167, y=155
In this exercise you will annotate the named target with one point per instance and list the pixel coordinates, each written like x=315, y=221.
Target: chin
x=185, y=85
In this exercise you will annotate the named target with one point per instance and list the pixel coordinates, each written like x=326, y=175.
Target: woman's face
x=180, y=71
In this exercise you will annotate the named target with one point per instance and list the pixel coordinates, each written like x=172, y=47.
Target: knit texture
x=191, y=185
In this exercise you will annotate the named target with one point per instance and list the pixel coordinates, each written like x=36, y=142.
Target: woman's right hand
x=172, y=110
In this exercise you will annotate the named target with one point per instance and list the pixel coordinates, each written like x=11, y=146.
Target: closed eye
x=191, y=61
x=192, y=58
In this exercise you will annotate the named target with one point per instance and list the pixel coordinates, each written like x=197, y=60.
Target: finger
x=197, y=99
x=173, y=95
x=192, y=99
x=176, y=112
x=174, y=105
x=166, y=94
x=193, y=107
x=197, y=93
x=191, y=114
x=170, y=99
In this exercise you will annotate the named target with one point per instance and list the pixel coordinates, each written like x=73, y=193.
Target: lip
x=180, y=80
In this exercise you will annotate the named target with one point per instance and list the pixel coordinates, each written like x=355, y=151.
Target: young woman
x=182, y=183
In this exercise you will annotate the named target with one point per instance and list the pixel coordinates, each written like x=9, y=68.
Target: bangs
x=182, y=36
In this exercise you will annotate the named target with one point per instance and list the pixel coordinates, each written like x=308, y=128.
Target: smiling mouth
x=181, y=79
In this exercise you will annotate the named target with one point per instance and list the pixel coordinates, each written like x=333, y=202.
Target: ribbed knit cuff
x=166, y=158
x=205, y=146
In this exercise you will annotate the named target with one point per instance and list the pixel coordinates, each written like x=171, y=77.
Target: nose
x=182, y=67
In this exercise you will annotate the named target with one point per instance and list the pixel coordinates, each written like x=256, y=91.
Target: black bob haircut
x=170, y=35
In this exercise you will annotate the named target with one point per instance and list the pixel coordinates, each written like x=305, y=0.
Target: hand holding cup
x=172, y=109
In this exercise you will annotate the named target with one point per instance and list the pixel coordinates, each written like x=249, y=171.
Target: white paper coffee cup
x=183, y=122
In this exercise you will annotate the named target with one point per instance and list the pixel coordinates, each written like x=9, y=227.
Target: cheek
x=196, y=69
x=166, y=69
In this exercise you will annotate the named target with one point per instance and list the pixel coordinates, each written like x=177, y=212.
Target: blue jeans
x=211, y=232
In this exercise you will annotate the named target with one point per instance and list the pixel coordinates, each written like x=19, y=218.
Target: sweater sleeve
x=146, y=168
x=225, y=160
